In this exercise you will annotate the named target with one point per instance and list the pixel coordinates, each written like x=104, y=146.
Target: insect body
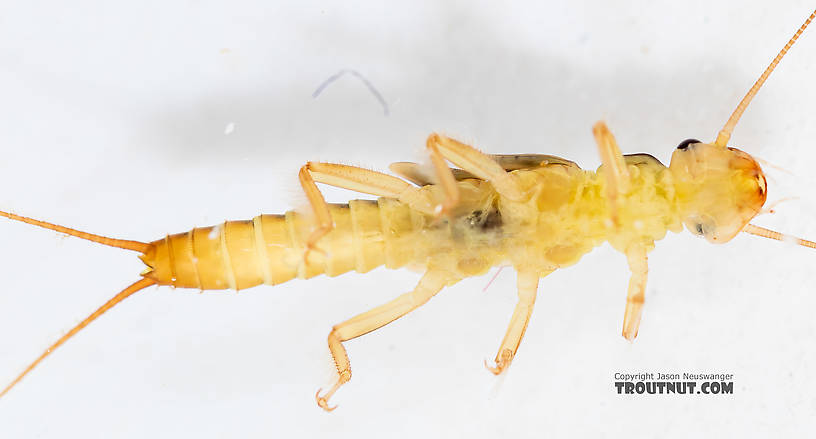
x=537, y=213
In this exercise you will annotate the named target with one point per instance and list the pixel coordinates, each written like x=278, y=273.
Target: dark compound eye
x=685, y=144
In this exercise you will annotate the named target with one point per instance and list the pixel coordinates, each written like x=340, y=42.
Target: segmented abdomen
x=269, y=249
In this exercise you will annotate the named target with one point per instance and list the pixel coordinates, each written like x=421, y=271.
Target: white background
x=112, y=120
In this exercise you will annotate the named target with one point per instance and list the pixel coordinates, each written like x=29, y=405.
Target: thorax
x=568, y=213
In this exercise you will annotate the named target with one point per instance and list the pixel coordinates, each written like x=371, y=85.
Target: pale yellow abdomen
x=269, y=249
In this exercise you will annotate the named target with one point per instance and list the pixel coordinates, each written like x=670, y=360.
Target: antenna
x=771, y=234
x=725, y=132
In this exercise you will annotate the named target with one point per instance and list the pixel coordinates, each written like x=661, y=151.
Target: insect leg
x=472, y=160
x=320, y=208
x=527, y=286
x=357, y=179
x=614, y=167
x=428, y=286
x=369, y=182
x=638, y=265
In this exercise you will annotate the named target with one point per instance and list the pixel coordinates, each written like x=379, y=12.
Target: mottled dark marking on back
x=484, y=220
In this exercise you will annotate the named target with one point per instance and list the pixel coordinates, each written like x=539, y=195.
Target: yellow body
x=537, y=213
x=564, y=215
